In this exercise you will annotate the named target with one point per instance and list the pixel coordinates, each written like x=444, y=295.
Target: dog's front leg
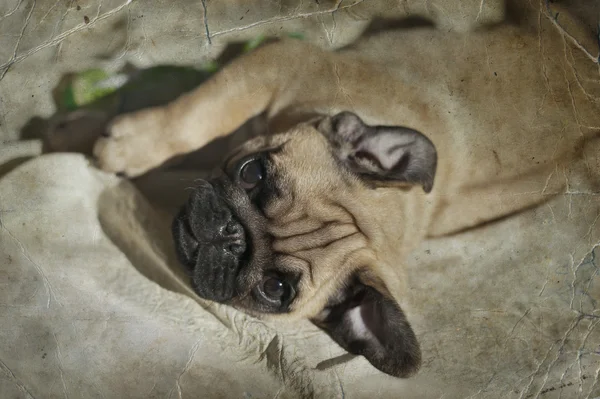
x=251, y=84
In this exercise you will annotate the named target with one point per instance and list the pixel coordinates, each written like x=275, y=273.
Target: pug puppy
x=403, y=136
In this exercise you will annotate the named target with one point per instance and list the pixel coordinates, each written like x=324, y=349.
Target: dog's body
x=355, y=193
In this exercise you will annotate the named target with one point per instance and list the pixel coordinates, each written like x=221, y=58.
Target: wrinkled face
x=283, y=228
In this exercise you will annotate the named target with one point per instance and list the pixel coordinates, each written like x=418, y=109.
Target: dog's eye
x=275, y=290
x=251, y=174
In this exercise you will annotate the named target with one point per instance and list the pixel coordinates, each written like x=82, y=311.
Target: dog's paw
x=129, y=147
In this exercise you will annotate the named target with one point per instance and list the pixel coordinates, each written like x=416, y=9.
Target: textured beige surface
x=508, y=310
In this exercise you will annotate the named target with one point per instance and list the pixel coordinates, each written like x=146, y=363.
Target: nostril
x=236, y=249
x=232, y=228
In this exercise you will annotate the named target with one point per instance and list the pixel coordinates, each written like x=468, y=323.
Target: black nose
x=211, y=241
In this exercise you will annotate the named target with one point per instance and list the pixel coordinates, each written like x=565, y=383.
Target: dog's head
x=288, y=227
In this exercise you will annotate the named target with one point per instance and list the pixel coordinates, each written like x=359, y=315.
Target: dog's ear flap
x=381, y=153
x=367, y=322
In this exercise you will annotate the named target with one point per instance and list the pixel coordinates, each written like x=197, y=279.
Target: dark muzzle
x=211, y=242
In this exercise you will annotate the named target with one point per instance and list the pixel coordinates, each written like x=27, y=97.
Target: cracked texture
x=508, y=311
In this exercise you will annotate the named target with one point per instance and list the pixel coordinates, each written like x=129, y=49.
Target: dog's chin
x=211, y=243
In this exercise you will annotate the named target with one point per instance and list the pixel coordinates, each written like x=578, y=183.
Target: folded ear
x=366, y=322
x=382, y=153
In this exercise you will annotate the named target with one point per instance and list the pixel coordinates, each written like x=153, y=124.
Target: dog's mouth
x=211, y=242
